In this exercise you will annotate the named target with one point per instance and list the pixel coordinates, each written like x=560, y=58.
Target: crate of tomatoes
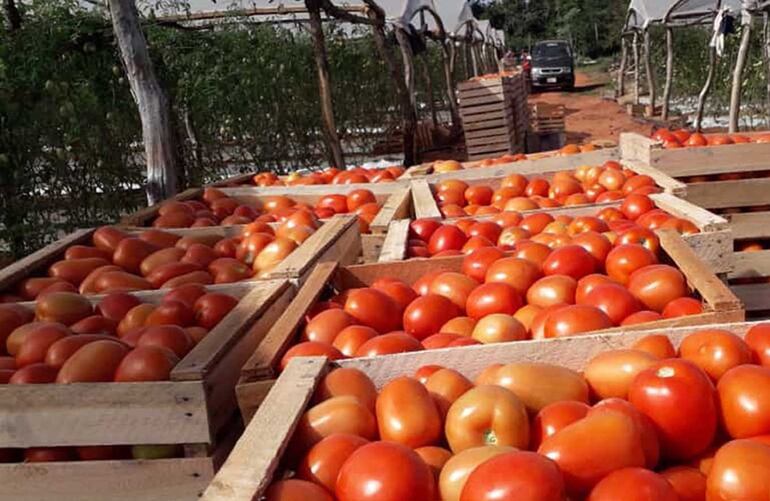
x=128, y=395
x=100, y=260
x=680, y=414
x=488, y=296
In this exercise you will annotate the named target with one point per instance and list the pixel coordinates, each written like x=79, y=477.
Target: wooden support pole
x=669, y=72
x=740, y=63
x=428, y=79
x=620, y=89
x=766, y=56
x=474, y=58
x=336, y=157
x=649, y=72
x=409, y=123
x=636, y=68
x=447, y=58
x=158, y=135
x=706, y=89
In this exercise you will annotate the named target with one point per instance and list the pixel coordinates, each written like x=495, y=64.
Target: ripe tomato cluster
x=216, y=208
x=648, y=423
x=683, y=138
x=634, y=221
x=331, y=175
x=533, y=292
x=68, y=340
x=153, y=259
x=442, y=166
x=585, y=185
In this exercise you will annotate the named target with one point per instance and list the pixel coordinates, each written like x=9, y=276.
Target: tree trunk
x=474, y=59
x=648, y=70
x=429, y=87
x=636, y=68
x=151, y=100
x=447, y=57
x=740, y=63
x=192, y=138
x=336, y=157
x=706, y=88
x=409, y=123
x=669, y=73
x=12, y=15
x=621, y=86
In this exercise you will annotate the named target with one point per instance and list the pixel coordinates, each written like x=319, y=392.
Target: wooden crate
x=720, y=305
x=254, y=462
x=196, y=408
x=491, y=111
x=393, y=199
x=714, y=243
x=337, y=234
x=546, y=118
x=692, y=165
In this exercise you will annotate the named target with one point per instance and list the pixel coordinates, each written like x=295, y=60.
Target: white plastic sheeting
x=642, y=13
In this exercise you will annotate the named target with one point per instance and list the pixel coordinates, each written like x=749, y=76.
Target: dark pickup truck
x=553, y=64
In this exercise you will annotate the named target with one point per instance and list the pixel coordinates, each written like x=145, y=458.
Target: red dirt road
x=589, y=117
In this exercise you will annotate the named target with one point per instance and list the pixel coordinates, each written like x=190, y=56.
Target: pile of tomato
x=442, y=166
x=154, y=259
x=331, y=175
x=633, y=221
x=216, y=208
x=648, y=423
x=533, y=291
x=682, y=138
x=585, y=185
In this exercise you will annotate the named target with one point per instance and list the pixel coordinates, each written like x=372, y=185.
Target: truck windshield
x=550, y=51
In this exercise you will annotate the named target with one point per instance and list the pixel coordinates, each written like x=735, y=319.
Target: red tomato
x=758, y=338
x=657, y=285
x=571, y=260
x=516, y=272
x=552, y=290
x=322, y=463
x=623, y=260
x=293, y=489
x=423, y=228
x=635, y=205
x=680, y=399
x=310, y=349
x=384, y=471
x=454, y=286
x=682, y=306
x=638, y=235
x=146, y=363
x=611, y=372
x=657, y=345
x=447, y=340
x=520, y=475
x=715, y=351
x=325, y=326
x=476, y=264
x=350, y=339
x=447, y=237
x=584, y=460
x=492, y=298
x=596, y=244
x=393, y=342
x=407, y=414
x=740, y=471
x=532, y=251
x=646, y=427
x=93, y=363
x=212, y=307
x=641, y=317
x=400, y=292
x=425, y=315
x=575, y=319
x=486, y=229
x=171, y=337
x=744, y=398
x=688, y=483
x=374, y=309
x=347, y=381
x=554, y=417
x=633, y=484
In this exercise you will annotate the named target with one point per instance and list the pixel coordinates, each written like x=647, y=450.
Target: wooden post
x=151, y=101
x=620, y=91
x=706, y=88
x=740, y=63
x=447, y=59
x=429, y=87
x=648, y=70
x=636, y=67
x=12, y=15
x=324, y=84
x=669, y=72
x=766, y=54
x=474, y=59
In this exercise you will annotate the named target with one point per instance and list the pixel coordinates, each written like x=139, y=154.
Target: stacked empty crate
x=546, y=126
x=494, y=114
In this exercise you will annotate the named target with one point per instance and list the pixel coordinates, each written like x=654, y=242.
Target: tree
x=158, y=135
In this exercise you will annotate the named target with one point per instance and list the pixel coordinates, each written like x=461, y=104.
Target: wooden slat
x=103, y=414
x=751, y=264
x=251, y=466
x=155, y=480
x=422, y=200
x=702, y=218
x=714, y=292
x=750, y=225
x=267, y=355
x=486, y=124
x=756, y=297
x=394, y=247
x=486, y=98
x=398, y=206
x=42, y=258
x=487, y=133
x=669, y=184
x=251, y=395
x=371, y=246
x=726, y=194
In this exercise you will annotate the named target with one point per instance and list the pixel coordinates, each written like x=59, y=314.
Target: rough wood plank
x=485, y=98
x=749, y=224
x=251, y=395
x=422, y=200
x=337, y=234
x=42, y=258
x=727, y=194
x=714, y=292
x=486, y=124
x=103, y=414
x=217, y=343
x=398, y=206
x=634, y=146
x=155, y=480
x=251, y=466
x=394, y=247
x=747, y=157
x=665, y=181
x=751, y=264
x=756, y=297
x=714, y=248
x=702, y=218
x=267, y=355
